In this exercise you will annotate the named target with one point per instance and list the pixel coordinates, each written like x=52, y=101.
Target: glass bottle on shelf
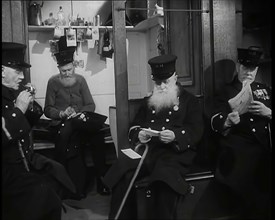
x=60, y=17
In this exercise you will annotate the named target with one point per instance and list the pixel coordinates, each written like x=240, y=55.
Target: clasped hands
x=23, y=100
x=165, y=136
x=255, y=107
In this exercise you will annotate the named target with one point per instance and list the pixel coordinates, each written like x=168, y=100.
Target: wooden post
x=121, y=77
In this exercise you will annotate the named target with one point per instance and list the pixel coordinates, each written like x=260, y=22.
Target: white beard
x=167, y=99
x=67, y=81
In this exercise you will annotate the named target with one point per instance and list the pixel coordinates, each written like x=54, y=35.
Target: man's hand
x=258, y=108
x=167, y=136
x=68, y=112
x=144, y=137
x=23, y=100
x=233, y=118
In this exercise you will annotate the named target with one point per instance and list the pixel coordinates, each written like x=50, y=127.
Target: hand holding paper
x=151, y=132
x=242, y=100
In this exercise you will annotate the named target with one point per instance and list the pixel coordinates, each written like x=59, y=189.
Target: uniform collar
x=8, y=93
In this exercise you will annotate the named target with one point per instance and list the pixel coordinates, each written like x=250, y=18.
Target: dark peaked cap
x=163, y=66
x=65, y=54
x=13, y=55
x=249, y=57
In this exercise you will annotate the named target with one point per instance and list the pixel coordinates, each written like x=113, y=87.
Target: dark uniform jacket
x=18, y=127
x=250, y=126
x=245, y=151
x=167, y=162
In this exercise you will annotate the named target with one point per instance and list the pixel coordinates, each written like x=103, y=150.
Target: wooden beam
x=121, y=74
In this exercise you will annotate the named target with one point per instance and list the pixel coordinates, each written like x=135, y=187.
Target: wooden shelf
x=140, y=27
x=33, y=28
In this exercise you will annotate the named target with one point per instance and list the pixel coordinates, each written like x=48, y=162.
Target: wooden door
x=184, y=40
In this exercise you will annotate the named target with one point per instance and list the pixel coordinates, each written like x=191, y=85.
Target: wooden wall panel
x=121, y=75
x=14, y=25
x=6, y=21
x=219, y=47
x=18, y=31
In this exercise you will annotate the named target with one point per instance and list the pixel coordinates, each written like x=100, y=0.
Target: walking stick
x=133, y=179
x=25, y=162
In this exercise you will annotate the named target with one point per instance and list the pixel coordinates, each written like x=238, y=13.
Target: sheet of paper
x=242, y=100
x=131, y=153
x=74, y=115
x=151, y=132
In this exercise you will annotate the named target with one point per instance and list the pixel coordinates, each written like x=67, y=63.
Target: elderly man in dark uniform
x=32, y=184
x=176, y=117
x=245, y=139
x=71, y=107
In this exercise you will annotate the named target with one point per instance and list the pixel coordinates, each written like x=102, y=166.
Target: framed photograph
x=70, y=37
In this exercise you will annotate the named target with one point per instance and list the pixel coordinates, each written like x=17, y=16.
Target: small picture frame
x=80, y=34
x=70, y=37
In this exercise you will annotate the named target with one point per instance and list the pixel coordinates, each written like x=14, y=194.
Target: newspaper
x=242, y=100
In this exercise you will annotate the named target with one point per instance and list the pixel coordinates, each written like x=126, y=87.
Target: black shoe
x=101, y=188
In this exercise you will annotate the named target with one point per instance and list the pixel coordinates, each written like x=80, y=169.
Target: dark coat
x=244, y=161
x=166, y=162
x=17, y=183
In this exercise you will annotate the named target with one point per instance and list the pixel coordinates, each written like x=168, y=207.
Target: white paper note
x=151, y=132
x=131, y=153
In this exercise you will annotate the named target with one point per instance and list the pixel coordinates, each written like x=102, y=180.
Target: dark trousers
x=245, y=167
x=162, y=205
x=72, y=141
x=28, y=195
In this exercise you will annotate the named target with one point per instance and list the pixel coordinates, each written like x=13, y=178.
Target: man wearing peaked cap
x=176, y=117
x=244, y=162
x=249, y=57
x=26, y=195
x=71, y=107
x=162, y=66
x=13, y=55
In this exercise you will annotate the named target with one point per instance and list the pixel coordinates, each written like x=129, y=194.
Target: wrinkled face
x=12, y=77
x=163, y=86
x=67, y=70
x=247, y=73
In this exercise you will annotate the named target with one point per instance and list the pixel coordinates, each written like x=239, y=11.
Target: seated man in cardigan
x=71, y=107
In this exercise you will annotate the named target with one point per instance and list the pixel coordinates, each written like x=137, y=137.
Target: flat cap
x=163, y=66
x=13, y=55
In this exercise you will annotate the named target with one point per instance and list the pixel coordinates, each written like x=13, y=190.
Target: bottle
x=60, y=17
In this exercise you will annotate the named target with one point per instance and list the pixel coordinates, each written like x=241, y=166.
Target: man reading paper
x=170, y=122
x=245, y=141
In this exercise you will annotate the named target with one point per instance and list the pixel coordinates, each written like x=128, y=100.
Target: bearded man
x=177, y=117
x=71, y=107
